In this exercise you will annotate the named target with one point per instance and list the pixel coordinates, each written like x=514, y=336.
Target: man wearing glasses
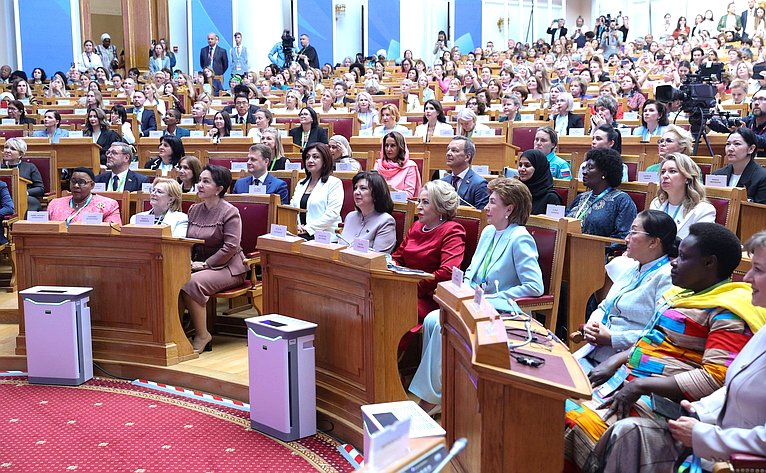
x=119, y=177
x=756, y=121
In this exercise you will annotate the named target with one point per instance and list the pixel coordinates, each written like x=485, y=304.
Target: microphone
x=465, y=201
x=344, y=240
x=457, y=447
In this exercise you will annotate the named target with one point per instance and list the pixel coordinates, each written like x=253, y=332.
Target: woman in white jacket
x=320, y=194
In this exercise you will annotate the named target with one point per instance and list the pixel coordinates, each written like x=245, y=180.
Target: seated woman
x=119, y=116
x=674, y=140
x=263, y=120
x=70, y=209
x=681, y=194
x=217, y=264
x=546, y=140
x=604, y=136
x=564, y=120
x=505, y=264
x=434, y=243
x=434, y=122
x=654, y=120
x=395, y=166
x=271, y=138
x=535, y=173
x=308, y=131
x=411, y=100
x=511, y=106
x=389, y=119
x=340, y=150
x=468, y=125
x=165, y=199
x=742, y=170
x=97, y=127
x=170, y=152
x=320, y=194
x=699, y=327
x=604, y=209
x=372, y=218
x=366, y=112
x=52, y=122
x=18, y=113
x=13, y=151
x=641, y=277
x=221, y=126
x=717, y=432
x=189, y=169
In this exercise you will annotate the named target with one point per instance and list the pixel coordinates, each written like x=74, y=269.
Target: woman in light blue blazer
x=504, y=263
x=52, y=121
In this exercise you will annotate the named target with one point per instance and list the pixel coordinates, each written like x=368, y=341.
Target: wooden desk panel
x=361, y=316
x=70, y=155
x=136, y=282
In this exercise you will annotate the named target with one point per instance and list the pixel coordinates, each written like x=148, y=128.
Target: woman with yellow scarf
x=697, y=330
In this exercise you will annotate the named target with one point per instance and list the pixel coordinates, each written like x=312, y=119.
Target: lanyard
x=586, y=210
x=667, y=207
x=488, y=257
x=608, y=310
x=158, y=220
x=74, y=215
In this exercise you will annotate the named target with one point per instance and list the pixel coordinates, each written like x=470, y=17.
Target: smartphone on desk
x=668, y=409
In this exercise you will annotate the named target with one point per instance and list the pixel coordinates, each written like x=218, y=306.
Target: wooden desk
x=197, y=147
x=752, y=219
x=362, y=315
x=136, y=282
x=512, y=415
x=70, y=153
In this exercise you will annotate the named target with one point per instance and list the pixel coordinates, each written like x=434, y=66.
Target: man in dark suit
x=307, y=56
x=172, y=118
x=119, y=178
x=241, y=113
x=240, y=89
x=471, y=188
x=258, y=159
x=215, y=57
x=557, y=30
x=146, y=120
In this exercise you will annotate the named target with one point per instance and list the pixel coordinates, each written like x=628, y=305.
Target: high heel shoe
x=203, y=346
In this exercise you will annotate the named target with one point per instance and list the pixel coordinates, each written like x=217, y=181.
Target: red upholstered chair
x=45, y=161
x=291, y=178
x=15, y=132
x=565, y=189
x=346, y=177
x=741, y=463
x=342, y=125
x=634, y=163
x=726, y=201
x=523, y=137
x=473, y=221
x=642, y=193
x=550, y=236
x=404, y=215
x=123, y=202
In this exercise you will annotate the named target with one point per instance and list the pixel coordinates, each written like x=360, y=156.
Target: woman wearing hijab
x=535, y=172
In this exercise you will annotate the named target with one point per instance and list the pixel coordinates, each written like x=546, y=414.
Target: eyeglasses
x=663, y=141
x=633, y=233
x=759, y=99
x=80, y=182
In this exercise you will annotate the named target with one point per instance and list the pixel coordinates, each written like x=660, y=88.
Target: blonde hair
x=173, y=189
x=443, y=197
x=279, y=150
x=17, y=144
x=684, y=138
x=694, y=192
x=393, y=109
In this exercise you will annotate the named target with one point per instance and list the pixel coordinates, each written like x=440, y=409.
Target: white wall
x=260, y=32
x=420, y=22
x=348, y=29
x=179, y=31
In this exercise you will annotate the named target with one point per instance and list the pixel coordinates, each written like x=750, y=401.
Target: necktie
x=455, y=180
x=256, y=182
x=115, y=183
x=211, y=56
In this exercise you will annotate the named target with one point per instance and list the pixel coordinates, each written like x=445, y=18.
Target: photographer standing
x=442, y=44
x=557, y=30
x=281, y=54
x=307, y=56
x=610, y=40
x=756, y=121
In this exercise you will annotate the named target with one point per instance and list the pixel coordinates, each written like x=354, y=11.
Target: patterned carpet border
x=320, y=450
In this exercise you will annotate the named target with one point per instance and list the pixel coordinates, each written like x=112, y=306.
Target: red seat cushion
x=524, y=137
x=639, y=198
x=42, y=165
x=563, y=193
x=472, y=234
x=343, y=126
x=545, y=239
x=721, y=209
x=11, y=133
x=255, y=218
x=399, y=217
x=544, y=299
x=348, y=198
x=632, y=171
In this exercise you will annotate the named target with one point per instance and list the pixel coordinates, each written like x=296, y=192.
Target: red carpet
x=108, y=425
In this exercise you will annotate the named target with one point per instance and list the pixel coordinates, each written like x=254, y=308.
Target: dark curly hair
x=609, y=162
x=714, y=239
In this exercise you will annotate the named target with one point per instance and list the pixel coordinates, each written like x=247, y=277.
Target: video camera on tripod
x=287, y=48
x=698, y=98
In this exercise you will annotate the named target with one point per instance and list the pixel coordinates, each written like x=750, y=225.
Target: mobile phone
x=668, y=409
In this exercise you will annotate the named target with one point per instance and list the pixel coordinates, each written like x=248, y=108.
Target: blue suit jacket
x=220, y=59
x=148, y=122
x=472, y=189
x=133, y=180
x=181, y=132
x=513, y=264
x=273, y=186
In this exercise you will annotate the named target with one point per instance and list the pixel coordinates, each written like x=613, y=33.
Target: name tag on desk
x=92, y=218
x=399, y=196
x=713, y=180
x=646, y=176
x=8, y=121
x=37, y=216
x=156, y=133
x=75, y=134
x=322, y=236
x=577, y=132
x=555, y=211
x=344, y=167
x=481, y=170
x=146, y=187
x=238, y=166
x=253, y=189
x=293, y=166
x=133, y=165
x=146, y=220
x=457, y=277
x=361, y=245
x=187, y=121
x=196, y=134
x=279, y=231
x=99, y=187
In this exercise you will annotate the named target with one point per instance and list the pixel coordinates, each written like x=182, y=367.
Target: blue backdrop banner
x=39, y=21
x=211, y=16
x=384, y=23
x=315, y=19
